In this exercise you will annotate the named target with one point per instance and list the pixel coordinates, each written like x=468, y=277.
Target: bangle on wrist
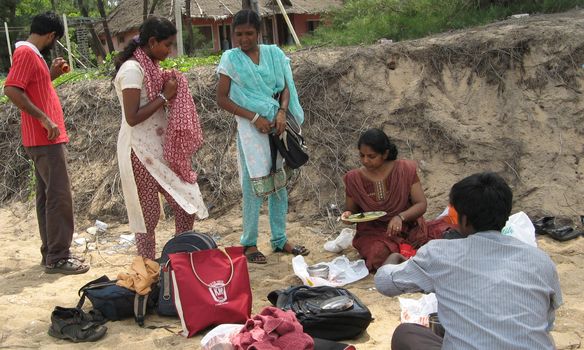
x=282, y=109
x=401, y=217
x=161, y=95
x=255, y=118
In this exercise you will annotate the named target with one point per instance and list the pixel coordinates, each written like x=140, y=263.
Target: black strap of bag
x=101, y=282
x=273, y=150
x=140, y=304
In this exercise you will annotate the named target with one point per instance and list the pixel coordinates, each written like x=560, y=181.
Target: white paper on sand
x=342, y=271
x=417, y=311
x=219, y=338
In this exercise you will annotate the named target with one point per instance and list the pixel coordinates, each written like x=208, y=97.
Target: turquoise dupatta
x=253, y=87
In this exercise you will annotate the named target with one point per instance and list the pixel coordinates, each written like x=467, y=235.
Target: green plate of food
x=366, y=216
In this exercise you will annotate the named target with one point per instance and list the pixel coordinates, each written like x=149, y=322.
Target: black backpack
x=189, y=241
x=306, y=303
x=115, y=302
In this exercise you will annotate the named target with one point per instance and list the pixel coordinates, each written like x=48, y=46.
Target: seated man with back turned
x=493, y=291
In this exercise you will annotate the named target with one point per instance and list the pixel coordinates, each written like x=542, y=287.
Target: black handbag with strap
x=290, y=144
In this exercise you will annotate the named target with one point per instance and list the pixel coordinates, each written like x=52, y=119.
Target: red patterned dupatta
x=183, y=135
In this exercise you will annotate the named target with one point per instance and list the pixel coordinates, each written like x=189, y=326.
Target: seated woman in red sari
x=385, y=183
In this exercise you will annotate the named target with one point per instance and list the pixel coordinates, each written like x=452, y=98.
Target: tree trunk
x=189, y=23
x=153, y=7
x=108, y=36
x=95, y=43
x=145, y=10
x=53, y=5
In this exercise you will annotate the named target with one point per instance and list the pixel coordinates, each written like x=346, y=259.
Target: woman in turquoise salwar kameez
x=256, y=85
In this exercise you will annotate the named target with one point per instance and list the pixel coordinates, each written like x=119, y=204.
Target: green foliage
x=3, y=98
x=79, y=75
x=365, y=21
x=185, y=63
x=105, y=71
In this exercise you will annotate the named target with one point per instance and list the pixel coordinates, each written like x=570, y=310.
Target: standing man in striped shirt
x=29, y=87
x=493, y=291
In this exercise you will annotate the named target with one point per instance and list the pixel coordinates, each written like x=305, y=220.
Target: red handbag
x=211, y=287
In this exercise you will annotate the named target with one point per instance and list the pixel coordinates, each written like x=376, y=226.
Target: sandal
x=67, y=267
x=78, y=258
x=68, y=323
x=295, y=250
x=94, y=316
x=563, y=234
x=543, y=224
x=256, y=257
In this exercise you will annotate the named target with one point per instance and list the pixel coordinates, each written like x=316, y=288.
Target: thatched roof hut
x=213, y=17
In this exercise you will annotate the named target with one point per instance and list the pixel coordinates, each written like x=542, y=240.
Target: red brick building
x=211, y=20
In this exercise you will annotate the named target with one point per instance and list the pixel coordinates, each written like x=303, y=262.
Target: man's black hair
x=46, y=23
x=485, y=199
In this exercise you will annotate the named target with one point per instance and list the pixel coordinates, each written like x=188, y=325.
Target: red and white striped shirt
x=30, y=72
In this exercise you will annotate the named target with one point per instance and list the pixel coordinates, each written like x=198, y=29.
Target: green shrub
x=365, y=21
x=184, y=63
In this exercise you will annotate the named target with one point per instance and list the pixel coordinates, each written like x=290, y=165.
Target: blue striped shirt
x=493, y=291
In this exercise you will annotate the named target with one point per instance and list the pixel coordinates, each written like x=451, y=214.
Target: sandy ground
x=504, y=97
x=28, y=295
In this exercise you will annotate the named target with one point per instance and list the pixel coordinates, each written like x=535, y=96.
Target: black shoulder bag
x=290, y=144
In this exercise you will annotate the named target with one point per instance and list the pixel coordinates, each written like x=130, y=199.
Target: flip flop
x=256, y=257
x=296, y=250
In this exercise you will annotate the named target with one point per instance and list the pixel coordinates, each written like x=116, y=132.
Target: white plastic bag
x=342, y=242
x=219, y=338
x=520, y=226
x=341, y=272
x=417, y=311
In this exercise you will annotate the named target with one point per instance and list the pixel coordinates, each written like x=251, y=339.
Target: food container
x=318, y=270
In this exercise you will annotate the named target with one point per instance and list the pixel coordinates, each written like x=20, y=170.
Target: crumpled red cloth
x=272, y=329
x=184, y=135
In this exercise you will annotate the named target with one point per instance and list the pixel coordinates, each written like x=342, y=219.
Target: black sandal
x=94, y=316
x=67, y=267
x=564, y=233
x=295, y=250
x=256, y=257
x=68, y=323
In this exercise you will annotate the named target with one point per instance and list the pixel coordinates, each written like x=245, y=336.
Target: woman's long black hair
x=157, y=27
x=379, y=142
x=247, y=17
